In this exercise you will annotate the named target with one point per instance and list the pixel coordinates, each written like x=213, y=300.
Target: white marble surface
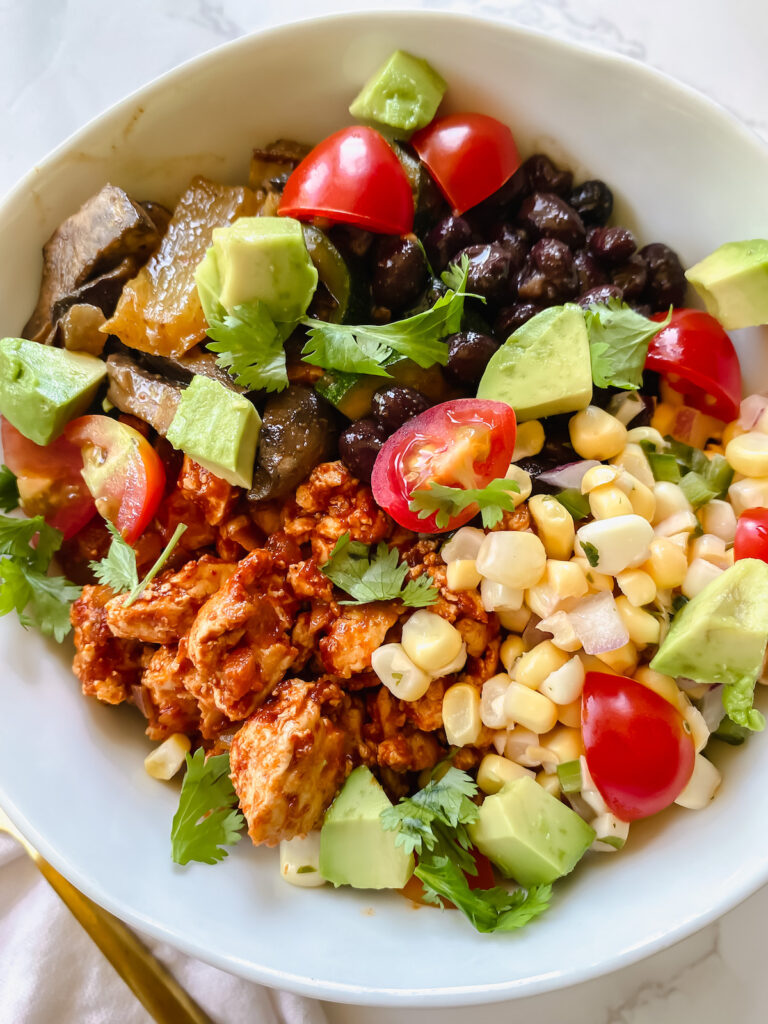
x=64, y=61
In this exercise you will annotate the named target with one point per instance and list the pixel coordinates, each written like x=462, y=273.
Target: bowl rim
x=738, y=886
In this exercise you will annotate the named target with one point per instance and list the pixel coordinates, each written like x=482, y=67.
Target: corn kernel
x=702, y=785
x=523, y=481
x=670, y=498
x=463, y=575
x=563, y=634
x=513, y=557
x=748, y=454
x=667, y=565
x=717, y=517
x=598, y=476
x=621, y=542
x=167, y=758
x=567, y=579
x=535, y=665
x=623, y=660
x=665, y=686
x=641, y=497
x=564, y=744
x=677, y=523
x=634, y=460
x=554, y=523
x=711, y=549
x=642, y=627
x=521, y=745
x=492, y=701
x=570, y=714
x=430, y=641
x=529, y=440
x=748, y=493
x=512, y=648
x=595, y=434
x=596, y=581
x=526, y=707
x=542, y=600
x=398, y=673
x=564, y=685
x=495, y=771
x=498, y=597
x=699, y=574
x=697, y=725
x=461, y=714
x=549, y=782
x=300, y=861
x=731, y=431
x=608, y=501
x=637, y=586
x=663, y=418
x=464, y=544
x=638, y=434
x=592, y=663
x=515, y=622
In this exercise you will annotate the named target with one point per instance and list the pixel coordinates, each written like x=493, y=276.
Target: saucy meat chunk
x=106, y=666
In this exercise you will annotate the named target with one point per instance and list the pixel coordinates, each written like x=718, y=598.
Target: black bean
x=550, y=276
x=666, y=281
x=602, y=293
x=489, y=267
x=394, y=405
x=468, y=355
x=359, y=445
x=612, y=245
x=512, y=317
x=593, y=201
x=504, y=201
x=431, y=200
x=516, y=243
x=546, y=215
x=399, y=272
x=445, y=239
x=631, y=276
x=642, y=308
x=544, y=176
x=590, y=273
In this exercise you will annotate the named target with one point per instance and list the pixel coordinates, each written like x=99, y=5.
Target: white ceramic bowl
x=71, y=770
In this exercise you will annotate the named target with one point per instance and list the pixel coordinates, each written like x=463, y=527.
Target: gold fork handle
x=152, y=983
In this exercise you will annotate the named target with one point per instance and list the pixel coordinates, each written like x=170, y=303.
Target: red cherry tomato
x=698, y=359
x=464, y=443
x=639, y=750
x=484, y=879
x=352, y=176
x=470, y=156
x=122, y=470
x=50, y=480
x=752, y=535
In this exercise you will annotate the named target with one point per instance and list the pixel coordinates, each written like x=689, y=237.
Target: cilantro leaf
x=9, y=491
x=378, y=578
x=118, y=569
x=618, y=343
x=366, y=348
x=591, y=553
x=737, y=701
x=492, y=501
x=38, y=599
x=432, y=823
x=207, y=817
x=249, y=345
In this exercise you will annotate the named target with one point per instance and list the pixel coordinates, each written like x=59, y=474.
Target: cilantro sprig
x=9, y=490
x=249, y=345
x=366, y=349
x=27, y=547
x=207, y=817
x=447, y=502
x=618, y=343
x=433, y=824
x=377, y=577
x=118, y=570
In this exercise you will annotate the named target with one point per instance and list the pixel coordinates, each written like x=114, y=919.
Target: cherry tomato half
x=355, y=177
x=752, y=535
x=122, y=470
x=50, y=480
x=698, y=359
x=464, y=443
x=470, y=156
x=639, y=750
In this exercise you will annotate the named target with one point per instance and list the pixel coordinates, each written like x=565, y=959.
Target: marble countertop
x=64, y=61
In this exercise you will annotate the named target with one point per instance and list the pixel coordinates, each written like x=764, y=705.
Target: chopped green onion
x=688, y=457
x=730, y=733
x=615, y=841
x=649, y=447
x=569, y=776
x=574, y=502
x=718, y=474
x=664, y=467
x=696, y=489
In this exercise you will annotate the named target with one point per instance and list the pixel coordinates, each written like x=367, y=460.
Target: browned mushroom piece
x=106, y=229
x=143, y=394
x=183, y=368
x=272, y=164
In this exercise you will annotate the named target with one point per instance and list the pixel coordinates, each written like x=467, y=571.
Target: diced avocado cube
x=544, y=368
x=354, y=848
x=42, y=388
x=218, y=428
x=720, y=635
x=262, y=259
x=404, y=93
x=529, y=834
x=733, y=282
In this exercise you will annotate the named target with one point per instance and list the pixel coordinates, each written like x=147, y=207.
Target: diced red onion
x=752, y=408
x=597, y=624
x=711, y=706
x=568, y=476
x=139, y=696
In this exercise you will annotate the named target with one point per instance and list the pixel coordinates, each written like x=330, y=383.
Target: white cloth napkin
x=52, y=973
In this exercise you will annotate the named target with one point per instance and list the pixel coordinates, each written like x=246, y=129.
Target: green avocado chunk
x=720, y=636
x=544, y=368
x=733, y=282
x=529, y=834
x=404, y=93
x=42, y=388
x=217, y=428
x=257, y=259
x=354, y=848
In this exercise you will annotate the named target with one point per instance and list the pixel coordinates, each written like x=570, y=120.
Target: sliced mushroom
x=102, y=291
x=143, y=394
x=271, y=166
x=298, y=430
x=182, y=368
x=108, y=227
